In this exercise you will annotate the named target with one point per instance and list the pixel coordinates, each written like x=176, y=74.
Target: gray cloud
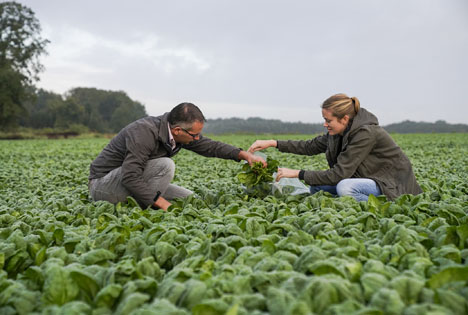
x=275, y=59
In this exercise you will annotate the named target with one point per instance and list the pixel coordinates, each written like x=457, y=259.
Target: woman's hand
x=286, y=173
x=262, y=144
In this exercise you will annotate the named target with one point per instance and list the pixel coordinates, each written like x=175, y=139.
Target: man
x=137, y=161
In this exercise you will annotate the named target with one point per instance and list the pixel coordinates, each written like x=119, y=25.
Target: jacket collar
x=363, y=117
x=163, y=135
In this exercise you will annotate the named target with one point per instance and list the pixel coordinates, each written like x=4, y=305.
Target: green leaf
x=233, y=310
x=58, y=236
x=131, y=303
x=97, y=256
x=449, y=274
x=40, y=256
x=268, y=246
x=75, y=308
x=160, y=306
x=35, y=274
x=193, y=294
x=108, y=295
x=462, y=232
x=163, y=252
x=279, y=301
x=388, y=301
x=210, y=307
x=325, y=267
x=371, y=283
x=451, y=300
x=59, y=287
x=86, y=282
x=408, y=288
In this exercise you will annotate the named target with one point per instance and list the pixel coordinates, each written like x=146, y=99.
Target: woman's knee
x=345, y=188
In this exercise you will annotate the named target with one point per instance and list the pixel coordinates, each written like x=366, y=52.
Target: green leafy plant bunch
x=257, y=174
x=258, y=179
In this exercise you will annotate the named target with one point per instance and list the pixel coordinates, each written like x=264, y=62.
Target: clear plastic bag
x=289, y=186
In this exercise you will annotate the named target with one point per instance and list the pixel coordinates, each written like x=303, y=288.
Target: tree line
x=90, y=109
x=439, y=126
x=260, y=125
x=81, y=109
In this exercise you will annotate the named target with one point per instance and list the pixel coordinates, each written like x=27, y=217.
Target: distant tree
x=42, y=110
x=82, y=108
x=11, y=96
x=20, y=48
x=106, y=111
x=259, y=125
x=124, y=114
x=440, y=126
x=69, y=113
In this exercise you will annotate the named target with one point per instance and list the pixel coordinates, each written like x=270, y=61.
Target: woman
x=362, y=156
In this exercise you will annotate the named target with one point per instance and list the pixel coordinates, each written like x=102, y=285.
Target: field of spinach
x=221, y=252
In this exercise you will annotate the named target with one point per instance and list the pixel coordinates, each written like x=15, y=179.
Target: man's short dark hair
x=185, y=114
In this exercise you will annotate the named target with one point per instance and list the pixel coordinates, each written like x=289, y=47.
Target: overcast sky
x=404, y=59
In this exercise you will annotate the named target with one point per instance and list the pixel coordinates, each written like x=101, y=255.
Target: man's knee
x=161, y=167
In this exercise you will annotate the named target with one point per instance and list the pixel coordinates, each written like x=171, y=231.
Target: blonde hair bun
x=357, y=104
x=341, y=105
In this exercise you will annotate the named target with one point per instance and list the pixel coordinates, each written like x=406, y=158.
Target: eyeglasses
x=190, y=134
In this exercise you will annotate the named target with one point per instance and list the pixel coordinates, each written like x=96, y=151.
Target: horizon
x=320, y=123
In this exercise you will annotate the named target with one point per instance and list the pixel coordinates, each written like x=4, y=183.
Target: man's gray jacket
x=143, y=140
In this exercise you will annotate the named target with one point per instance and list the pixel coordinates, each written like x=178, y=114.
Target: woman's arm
x=304, y=147
x=262, y=144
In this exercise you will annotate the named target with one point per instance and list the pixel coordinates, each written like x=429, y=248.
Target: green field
x=220, y=252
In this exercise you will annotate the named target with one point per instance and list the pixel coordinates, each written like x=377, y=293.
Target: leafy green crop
x=257, y=179
x=257, y=174
x=217, y=252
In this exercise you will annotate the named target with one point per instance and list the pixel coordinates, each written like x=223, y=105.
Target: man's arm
x=251, y=158
x=211, y=148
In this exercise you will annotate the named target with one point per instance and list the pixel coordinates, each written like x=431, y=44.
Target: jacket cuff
x=236, y=154
x=279, y=144
x=158, y=194
x=301, y=174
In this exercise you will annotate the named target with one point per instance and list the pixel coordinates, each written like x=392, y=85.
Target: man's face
x=185, y=136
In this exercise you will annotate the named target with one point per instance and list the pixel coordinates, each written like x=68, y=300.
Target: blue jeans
x=358, y=188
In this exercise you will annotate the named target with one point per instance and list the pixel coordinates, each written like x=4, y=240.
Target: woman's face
x=334, y=125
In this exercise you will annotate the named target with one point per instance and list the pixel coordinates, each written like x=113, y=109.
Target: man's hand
x=251, y=158
x=286, y=173
x=162, y=203
x=262, y=144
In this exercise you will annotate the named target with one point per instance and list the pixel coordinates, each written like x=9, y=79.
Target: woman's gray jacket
x=367, y=151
